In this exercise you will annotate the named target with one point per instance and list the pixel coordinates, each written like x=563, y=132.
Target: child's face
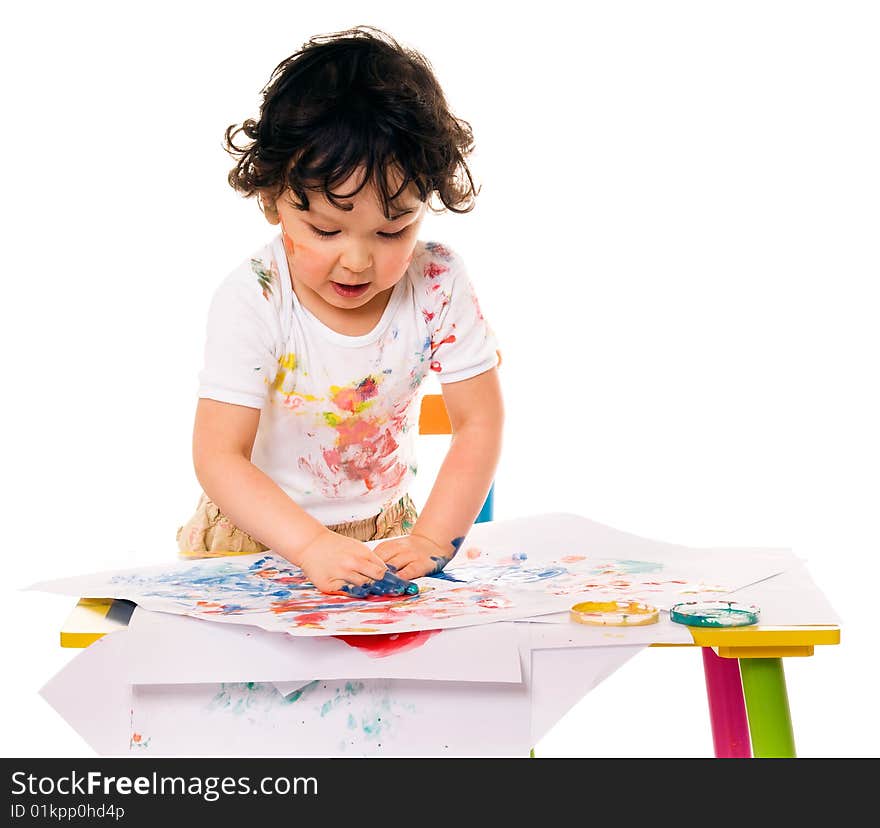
x=349, y=259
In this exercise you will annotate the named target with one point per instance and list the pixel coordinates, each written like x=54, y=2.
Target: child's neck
x=354, y=322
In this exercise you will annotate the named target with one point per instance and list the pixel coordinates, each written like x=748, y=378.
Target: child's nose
x=356, y=257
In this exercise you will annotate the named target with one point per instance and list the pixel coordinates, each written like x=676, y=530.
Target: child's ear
x=268, y=208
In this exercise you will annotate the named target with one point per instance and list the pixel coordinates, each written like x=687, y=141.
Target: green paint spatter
x=352, y=722
x=221, y=699
x=296, y=695
x=350, y=690
x=252, y=697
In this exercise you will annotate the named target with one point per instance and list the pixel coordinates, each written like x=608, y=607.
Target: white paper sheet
x=570, y=634
x=790, y=598
x=91, y=694
x=173, y=649
x=506, y=570
x=561, y=678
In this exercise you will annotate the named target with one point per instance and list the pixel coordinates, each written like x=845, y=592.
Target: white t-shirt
x=338, y=421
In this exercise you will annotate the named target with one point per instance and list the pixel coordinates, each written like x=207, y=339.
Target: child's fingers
x=376, y=571
x=378, y=565
x=411, y=571
x=412, y=566
x=400, y=558
x=360, y=568
x=387, y=550
x=375, y=565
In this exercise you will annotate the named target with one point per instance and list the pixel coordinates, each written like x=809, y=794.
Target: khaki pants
x=210, y=534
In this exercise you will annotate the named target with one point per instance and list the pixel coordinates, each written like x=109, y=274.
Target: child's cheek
x=306, y=255
x=400, y=260
x=311, y=263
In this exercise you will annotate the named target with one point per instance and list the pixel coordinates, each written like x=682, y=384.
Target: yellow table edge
x=766, y=636
x=762, y=641
x=88, y=622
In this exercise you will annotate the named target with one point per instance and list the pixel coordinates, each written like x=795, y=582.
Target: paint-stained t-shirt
x=338, y=420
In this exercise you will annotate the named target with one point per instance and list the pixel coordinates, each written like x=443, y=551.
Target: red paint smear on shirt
x=433, y=270
x=448, y=339
x=380, y=646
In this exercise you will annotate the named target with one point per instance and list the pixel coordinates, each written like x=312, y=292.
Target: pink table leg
x=727, y=710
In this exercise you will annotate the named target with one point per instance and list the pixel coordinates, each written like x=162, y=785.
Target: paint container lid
x=614, y=613
x=714, y=614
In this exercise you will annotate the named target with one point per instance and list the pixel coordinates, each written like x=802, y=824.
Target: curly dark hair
x=349, y=100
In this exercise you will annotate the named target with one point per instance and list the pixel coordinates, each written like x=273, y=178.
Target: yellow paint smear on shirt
x=285, y=364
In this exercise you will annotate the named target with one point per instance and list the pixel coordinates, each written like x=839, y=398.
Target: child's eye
x=324, y=234
x=396, y=235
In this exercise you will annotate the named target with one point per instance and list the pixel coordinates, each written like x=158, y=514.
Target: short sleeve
x=243, y=340
x=463, y=344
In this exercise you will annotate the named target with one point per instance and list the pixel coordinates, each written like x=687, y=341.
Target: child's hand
x=414, y=556
x=335, y=563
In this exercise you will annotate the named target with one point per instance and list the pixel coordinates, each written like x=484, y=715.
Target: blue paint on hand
x=441, y=563
x=456, y=543
x=391, y=584
x=355, y=591
x=411, y=588
x=388, y=584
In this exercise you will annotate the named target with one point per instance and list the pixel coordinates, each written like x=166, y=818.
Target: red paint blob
x=380, y=646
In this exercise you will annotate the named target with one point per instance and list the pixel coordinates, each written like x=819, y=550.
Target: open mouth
x=350, y=290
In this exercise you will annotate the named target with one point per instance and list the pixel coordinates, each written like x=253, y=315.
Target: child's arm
x=476, y=412
x=223, y=439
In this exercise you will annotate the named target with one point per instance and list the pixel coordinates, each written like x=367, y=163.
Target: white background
x=676, y=242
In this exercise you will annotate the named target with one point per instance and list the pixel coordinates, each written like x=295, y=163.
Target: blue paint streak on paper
x=445, y=576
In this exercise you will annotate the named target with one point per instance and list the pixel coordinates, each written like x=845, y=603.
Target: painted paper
x=505, y=570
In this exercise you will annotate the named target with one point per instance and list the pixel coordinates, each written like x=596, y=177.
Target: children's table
x=745, y=679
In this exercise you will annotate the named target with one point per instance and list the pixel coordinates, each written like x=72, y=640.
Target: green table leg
x=766, y=700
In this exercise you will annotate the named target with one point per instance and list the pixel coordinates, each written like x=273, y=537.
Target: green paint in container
x=714, y=614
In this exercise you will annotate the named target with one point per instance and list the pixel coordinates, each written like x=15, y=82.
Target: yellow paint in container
x=614, y=613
